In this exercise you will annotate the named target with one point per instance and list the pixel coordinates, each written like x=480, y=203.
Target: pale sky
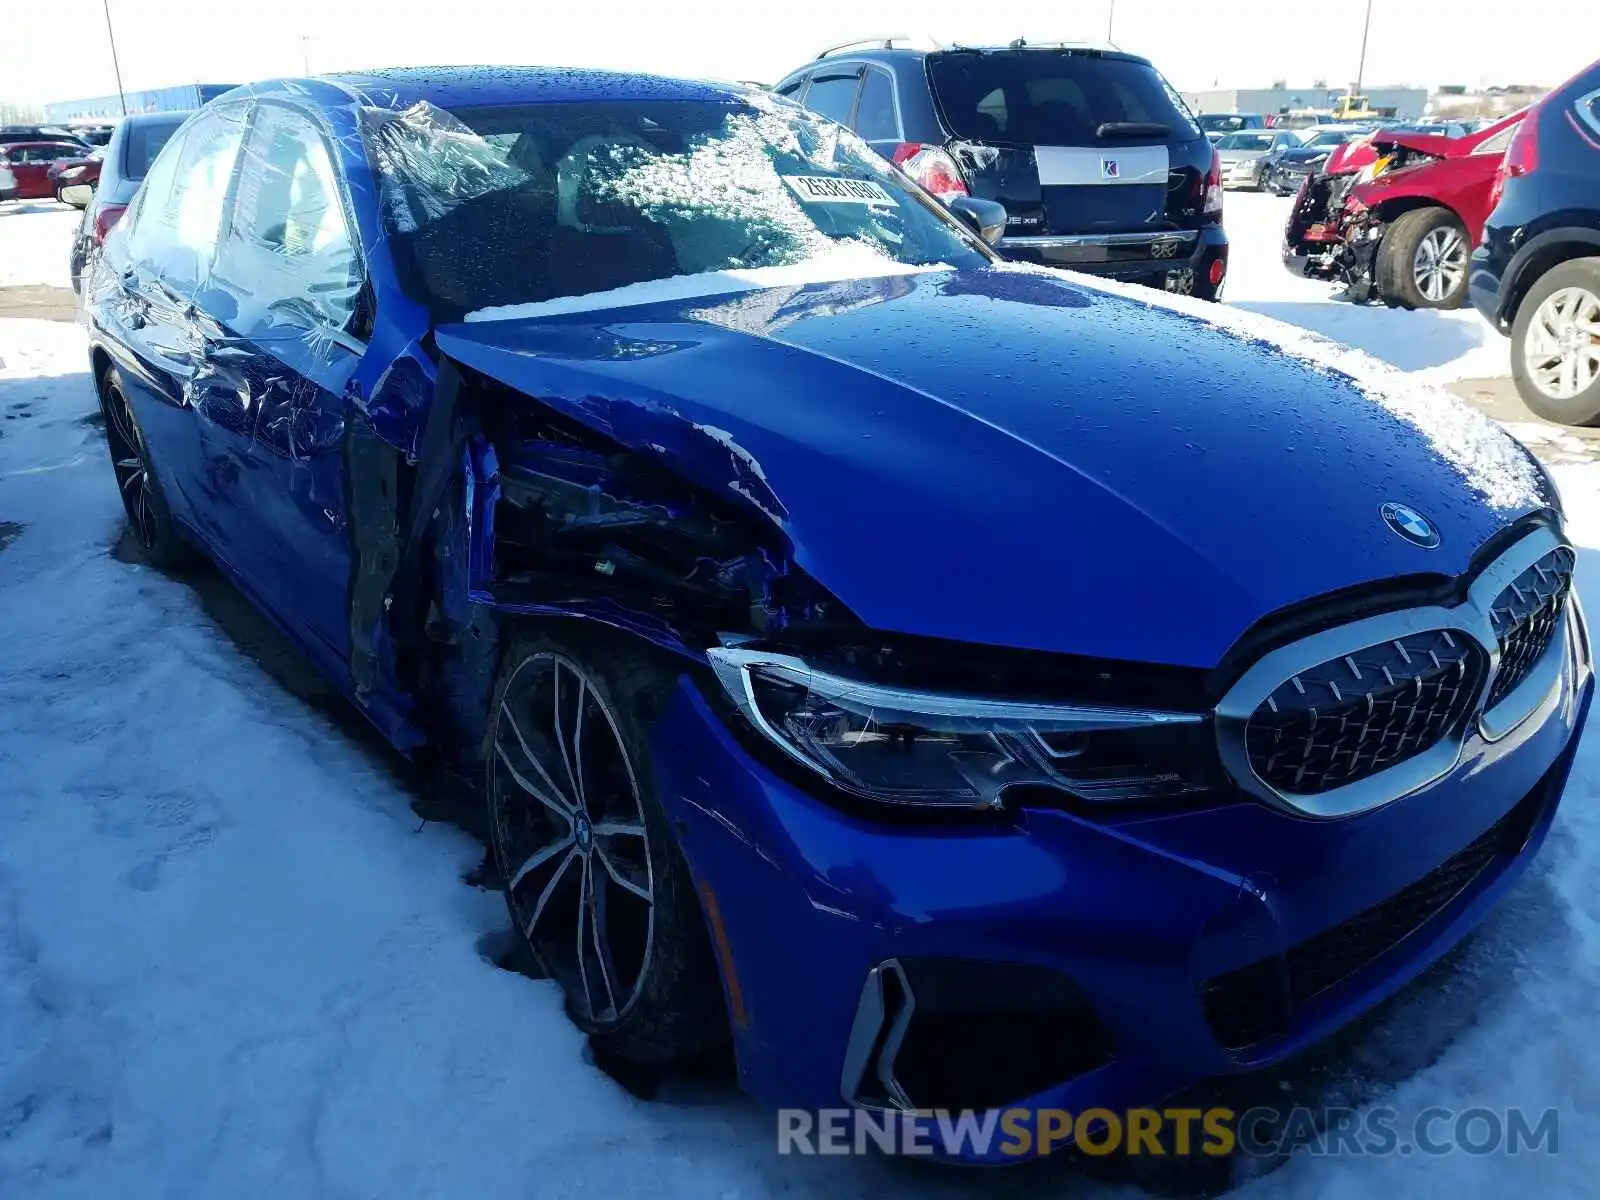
x=57, y=49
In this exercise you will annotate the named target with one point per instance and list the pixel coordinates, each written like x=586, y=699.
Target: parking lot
x=237, y=963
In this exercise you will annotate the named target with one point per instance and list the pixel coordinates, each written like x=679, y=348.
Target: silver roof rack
x=880, y=43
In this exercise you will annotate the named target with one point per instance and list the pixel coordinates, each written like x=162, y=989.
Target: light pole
x=1361, y=66
x=122, y=98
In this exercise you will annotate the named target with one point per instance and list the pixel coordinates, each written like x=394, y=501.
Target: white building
x=1408, y=103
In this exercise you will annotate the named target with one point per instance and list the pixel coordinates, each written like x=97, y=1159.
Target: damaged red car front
x=1395, y=215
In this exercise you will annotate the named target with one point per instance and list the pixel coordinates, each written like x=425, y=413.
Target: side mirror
x=986, y=218
x=77, y=194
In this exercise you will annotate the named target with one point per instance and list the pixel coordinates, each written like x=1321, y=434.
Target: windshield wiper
x=1110, y=129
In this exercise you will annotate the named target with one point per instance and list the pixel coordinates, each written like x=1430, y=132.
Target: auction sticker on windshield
x=831, y=190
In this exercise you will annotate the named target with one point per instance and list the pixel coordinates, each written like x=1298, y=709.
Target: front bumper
x=1170, y=928
x=1133, y=256
x=1286, y=180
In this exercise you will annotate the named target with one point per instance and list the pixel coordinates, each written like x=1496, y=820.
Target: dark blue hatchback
x=955, y=685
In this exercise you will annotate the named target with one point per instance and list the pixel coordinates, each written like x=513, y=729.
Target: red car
x=30, y=162
x=1396, y=214
x=65, y=172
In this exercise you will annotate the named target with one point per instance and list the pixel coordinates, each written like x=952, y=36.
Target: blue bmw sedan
x=955, y=684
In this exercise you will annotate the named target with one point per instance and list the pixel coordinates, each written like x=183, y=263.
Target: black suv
x=1536, y=273
x=1098, y=163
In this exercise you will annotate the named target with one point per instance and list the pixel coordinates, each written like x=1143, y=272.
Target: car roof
x=913, y=54
x=155, y=118
x=488, y=87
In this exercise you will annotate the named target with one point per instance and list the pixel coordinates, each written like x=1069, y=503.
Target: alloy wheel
x=1440, y=264
x=1562, y=346
x=127, y=461
x=570, y=835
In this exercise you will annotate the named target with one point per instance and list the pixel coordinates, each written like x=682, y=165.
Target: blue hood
x=1006, y=457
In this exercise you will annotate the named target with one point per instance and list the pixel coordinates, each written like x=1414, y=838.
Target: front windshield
x=1330, y=137
x=1219, y=122
x=1245, y=141
x=513, y=205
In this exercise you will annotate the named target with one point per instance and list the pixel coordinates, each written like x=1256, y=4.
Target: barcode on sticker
x=828, y=189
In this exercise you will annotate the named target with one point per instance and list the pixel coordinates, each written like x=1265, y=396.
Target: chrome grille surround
x=1403, y=766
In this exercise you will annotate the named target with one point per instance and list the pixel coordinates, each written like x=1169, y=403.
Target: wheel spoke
x=619, y=829
x=549, y=798
x=538, y=859
x=621, y=880
x=597, y=935
x=561, y=741
x=544, y=896
x=584, y=884
x=117, y=410
x=554, y=793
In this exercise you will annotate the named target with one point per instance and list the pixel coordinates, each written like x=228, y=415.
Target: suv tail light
x=1213, y=204
x=107, y=217
x=1522, y=155
x=930, y=166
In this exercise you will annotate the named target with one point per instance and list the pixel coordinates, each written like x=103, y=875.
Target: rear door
x=147, y=297
x=1072, y=142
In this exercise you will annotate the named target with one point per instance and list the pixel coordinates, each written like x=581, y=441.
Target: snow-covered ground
x=34, y=237
x=233, y=962
x=1438, y=346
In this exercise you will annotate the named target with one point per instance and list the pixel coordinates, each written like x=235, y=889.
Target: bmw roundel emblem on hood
x=1410, y=524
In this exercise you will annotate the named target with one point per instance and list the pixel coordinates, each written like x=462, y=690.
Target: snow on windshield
x=554, y=205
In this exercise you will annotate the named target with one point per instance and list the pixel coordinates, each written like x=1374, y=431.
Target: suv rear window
x=144, y=142
x=1050, y=97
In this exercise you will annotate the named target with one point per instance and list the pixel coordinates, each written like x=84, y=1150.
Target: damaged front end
x=508, y=507
x=1334, y=228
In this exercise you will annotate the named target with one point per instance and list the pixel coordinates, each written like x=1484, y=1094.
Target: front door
x=274, y=339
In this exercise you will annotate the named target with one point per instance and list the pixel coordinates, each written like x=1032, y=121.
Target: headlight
x=940, y=749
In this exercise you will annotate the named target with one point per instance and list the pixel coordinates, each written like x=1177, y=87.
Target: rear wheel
x=149, y=519
x=594, y=880
x=1555, y=344
x=1423, y=260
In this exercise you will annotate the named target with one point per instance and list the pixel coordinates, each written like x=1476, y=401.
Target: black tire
x=150, y=523
x=1583, y=408
x=1399, y=264
x=674, y=1007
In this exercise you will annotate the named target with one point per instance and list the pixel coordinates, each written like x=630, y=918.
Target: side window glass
x=875, y=114
x=180, y=216
x=833, y=96
x=150, y=201
x=290, y=246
